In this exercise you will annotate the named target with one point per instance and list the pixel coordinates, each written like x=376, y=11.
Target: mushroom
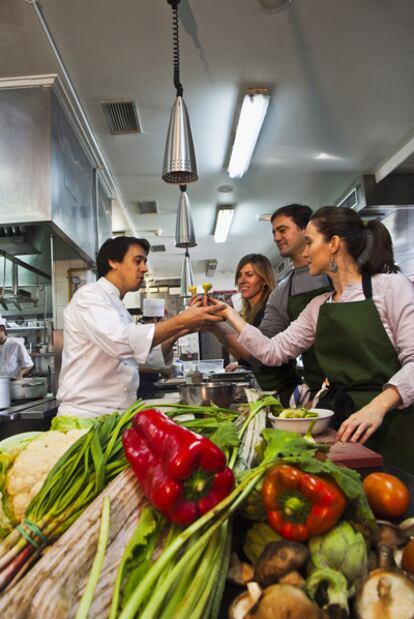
x=293, y=578
x=240, y=572
x=244, y=602
x=386, y=594
x=391, y=534
x=279, y=558
x=284, y=602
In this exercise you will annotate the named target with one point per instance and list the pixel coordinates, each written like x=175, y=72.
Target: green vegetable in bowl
x=296, y=413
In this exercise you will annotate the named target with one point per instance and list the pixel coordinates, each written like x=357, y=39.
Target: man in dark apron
x=285, y=304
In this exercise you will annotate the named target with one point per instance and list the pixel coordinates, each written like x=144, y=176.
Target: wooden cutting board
x=353, y=455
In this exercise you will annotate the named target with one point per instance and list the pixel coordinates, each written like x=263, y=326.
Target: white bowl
x=301, y=425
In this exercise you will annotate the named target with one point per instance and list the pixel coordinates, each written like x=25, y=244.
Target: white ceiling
x=341, y=73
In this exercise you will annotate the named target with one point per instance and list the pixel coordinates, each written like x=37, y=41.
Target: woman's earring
x=332, y=266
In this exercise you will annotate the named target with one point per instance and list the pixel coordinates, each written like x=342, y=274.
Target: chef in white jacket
x=102, y=345
x=15, y=360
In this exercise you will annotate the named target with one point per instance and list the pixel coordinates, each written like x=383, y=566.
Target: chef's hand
x=360, y=425
x=196, y=317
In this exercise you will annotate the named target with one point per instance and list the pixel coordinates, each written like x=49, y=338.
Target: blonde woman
x=255, y=281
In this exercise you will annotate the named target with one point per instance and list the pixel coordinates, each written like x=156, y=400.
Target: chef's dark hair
x=115, y=249
x=369, y=244
x=300, y=213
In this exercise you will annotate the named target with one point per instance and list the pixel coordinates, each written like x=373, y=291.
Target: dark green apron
x=282, y=379
x=312, y=373
x=356, y=354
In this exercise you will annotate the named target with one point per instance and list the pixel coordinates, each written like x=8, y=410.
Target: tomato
x=407, y=561
x=387, y=495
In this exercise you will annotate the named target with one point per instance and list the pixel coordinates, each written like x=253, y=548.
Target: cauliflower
x=31, y=467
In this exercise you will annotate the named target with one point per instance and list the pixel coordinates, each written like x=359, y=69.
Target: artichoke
x=341, y=549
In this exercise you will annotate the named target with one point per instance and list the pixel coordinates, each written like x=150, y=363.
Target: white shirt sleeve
x=100, y=322
x=399, y=313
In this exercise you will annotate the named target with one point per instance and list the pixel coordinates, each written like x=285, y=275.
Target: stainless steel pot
x=206, y=394
x=28, y=388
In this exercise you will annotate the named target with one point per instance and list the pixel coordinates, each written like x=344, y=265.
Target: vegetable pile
x=226, y=497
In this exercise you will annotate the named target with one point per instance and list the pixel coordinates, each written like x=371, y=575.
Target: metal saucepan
x=28, y=388
x=206, y=394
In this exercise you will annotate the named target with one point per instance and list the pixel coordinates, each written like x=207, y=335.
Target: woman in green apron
x=363, y=333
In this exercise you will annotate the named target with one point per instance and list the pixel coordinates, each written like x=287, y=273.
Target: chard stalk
x=87, y=597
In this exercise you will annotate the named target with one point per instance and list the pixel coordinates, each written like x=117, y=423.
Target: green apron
x=312, y=373
x=356, y=354
x=282, y=379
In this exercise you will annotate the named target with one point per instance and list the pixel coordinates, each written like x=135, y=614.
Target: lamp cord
x=176, y=47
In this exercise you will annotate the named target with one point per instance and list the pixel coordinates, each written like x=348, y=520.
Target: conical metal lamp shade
x=180, y=165
x=184, y=227
x=187, y=277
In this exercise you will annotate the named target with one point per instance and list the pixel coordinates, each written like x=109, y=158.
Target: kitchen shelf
x=34, y=328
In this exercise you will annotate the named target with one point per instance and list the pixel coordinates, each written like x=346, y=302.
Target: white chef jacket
x=13, y=357
x=101, y=352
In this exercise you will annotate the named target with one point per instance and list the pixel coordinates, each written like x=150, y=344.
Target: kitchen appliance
x=207, y=394
x=28, y=388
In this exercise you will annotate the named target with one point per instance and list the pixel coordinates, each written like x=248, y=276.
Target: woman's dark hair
x=300, y=213
x=263, y=269
x=115, y=249
x=369, y=244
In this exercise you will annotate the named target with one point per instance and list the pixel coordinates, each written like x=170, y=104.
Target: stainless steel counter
x=27, y=416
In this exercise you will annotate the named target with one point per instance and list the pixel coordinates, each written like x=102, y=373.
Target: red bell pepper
x=301, y=505
x=181, y=473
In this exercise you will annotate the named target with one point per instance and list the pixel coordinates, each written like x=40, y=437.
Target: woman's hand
x=230, y=314
x=360, y=425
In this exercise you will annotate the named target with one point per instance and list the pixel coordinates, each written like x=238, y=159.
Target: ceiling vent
x=146, y=207
x=121, y=116
x=157, y=248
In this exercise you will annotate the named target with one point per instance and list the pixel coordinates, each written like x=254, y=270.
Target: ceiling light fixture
x=251, y=117
x=180, y=165
x=224, y=217
x=184, y=227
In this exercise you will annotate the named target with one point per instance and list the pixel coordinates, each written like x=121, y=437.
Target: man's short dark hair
x=115, y=249
x=300, y=213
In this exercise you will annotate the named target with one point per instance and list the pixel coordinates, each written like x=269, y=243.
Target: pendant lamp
x=187, y=276
x=180, y=165
x=184, y=227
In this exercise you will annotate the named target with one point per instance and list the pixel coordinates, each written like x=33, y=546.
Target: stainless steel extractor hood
x=392, y=202
x=48, y=174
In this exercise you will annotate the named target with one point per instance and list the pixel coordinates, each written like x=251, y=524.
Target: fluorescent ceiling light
x=223, y=223
x=252, y=113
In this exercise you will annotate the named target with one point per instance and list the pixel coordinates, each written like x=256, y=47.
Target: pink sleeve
x=288, y=344
x=399, y=308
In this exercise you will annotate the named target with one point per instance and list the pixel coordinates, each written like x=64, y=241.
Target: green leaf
x=283, y=443
x=225, y=436
x=66, y=423
x=136, y=560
